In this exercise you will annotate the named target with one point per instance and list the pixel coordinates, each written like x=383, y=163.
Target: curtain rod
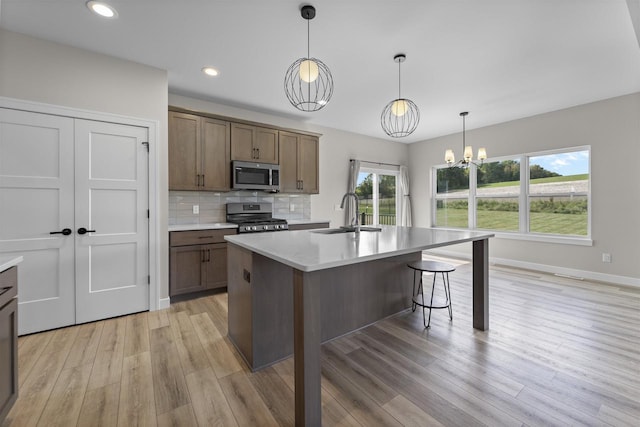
x=376, y=163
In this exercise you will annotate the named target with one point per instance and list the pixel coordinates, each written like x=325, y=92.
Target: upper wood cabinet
x=298, y=163
x=251, y=143
x=199, y=153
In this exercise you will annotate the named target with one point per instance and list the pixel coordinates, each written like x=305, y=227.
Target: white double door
x=64, y=175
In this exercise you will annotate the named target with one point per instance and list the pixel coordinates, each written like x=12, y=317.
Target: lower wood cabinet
x=197, y=260
x=8, y=340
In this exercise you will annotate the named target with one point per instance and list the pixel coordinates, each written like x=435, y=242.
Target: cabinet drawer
x=8, y=285
x=199, y=237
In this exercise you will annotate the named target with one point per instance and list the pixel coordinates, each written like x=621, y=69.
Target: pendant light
x=467, y=150
x=308, y=83
x=401, y=116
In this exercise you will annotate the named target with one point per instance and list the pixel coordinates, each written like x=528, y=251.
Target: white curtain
x=405, y=198
x=350, y=208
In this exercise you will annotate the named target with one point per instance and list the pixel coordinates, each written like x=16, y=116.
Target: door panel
x=308, y=164
x=288, y=163
x=216, y=138
x=112, y=199
x=36, y=198
x=184, y=151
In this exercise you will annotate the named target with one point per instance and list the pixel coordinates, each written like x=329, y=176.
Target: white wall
x=41, y=71
x=336, y=148
x=612, y=128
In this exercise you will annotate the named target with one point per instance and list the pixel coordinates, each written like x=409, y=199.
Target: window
x=543, y=194
x=377, y=191
x=498, y=195
x=559, y=193
x=452, y=197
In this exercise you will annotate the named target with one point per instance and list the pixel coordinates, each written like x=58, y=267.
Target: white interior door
x=36, y=198
x=111, y=201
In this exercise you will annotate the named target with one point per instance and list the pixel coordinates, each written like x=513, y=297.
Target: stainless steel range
x=254, y=217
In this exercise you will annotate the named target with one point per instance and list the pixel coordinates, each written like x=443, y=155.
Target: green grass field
x=551, y=223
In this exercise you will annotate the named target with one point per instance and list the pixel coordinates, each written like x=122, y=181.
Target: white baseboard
x=164, y=303
x=590, y=275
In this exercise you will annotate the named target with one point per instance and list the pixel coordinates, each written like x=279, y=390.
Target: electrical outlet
x=196, y=209
x=606, y=257
x=292, y=208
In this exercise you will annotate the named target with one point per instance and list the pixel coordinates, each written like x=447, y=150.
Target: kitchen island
x=290, y=291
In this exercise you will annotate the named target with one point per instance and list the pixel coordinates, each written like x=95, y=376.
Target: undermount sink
x=344, y=230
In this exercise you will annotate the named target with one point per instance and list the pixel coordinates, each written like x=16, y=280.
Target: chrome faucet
x=355, y=196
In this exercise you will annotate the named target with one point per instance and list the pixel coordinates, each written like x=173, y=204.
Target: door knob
x=83, y=230
x=64, y=231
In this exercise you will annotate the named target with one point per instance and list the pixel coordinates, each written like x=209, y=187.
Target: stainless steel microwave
x=256, y=176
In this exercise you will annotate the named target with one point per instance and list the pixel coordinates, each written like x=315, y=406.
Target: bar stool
x=434, y=267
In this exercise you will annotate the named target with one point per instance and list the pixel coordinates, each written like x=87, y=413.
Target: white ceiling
x=499, y=59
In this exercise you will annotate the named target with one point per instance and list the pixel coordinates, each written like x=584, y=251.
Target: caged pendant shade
x=308, y=83
x=401, y=116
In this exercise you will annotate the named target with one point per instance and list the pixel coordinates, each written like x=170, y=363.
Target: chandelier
x=401, y=116
x=467, y=150
x=308, y=83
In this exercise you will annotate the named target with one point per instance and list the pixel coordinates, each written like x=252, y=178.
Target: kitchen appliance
x=256, y=176
x=254, y=217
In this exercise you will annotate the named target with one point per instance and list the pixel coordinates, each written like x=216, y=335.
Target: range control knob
x=254, y=228
x=265, y=227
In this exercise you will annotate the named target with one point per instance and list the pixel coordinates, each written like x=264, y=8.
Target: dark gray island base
x=261, y=295
x=301, y=288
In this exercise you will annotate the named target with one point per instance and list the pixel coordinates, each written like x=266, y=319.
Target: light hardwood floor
x=559, y=352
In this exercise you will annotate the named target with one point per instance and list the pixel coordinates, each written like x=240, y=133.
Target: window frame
x=523, y=232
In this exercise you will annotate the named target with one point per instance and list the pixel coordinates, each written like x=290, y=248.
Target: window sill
x=562, y=240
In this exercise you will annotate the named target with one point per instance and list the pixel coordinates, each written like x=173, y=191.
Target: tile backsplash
x=212, y=205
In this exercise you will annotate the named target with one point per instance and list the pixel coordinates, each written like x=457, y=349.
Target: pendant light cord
x=308, y=30
x=464, y=144
x=399, y=62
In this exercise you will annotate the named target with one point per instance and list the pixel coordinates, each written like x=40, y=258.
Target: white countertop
x=311, y=251
x=210, y=226
x=6, y=262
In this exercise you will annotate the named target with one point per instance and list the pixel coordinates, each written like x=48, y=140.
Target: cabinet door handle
x=258, y=151
x=198, y=180
x=83, y=230
x=201, y=255
x=208, y=255
x=202, y=180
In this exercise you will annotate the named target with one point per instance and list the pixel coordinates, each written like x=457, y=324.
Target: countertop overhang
x=309, y=251
x=6, y=262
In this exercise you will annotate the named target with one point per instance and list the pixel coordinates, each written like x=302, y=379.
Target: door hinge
x=148, y=279
x=146, y=144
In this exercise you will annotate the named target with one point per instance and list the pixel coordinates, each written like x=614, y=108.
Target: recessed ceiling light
x=210, y=71
x=102, y=9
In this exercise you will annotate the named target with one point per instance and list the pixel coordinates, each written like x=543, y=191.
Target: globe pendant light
x=467, y=150
x=308, y=83
x=401, y=116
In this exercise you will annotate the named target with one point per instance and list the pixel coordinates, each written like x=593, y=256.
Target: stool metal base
x=418, y=297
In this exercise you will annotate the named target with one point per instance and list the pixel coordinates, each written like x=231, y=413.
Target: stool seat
x=431, y=302
x=432, y=266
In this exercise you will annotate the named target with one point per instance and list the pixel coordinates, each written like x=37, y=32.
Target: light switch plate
x=196, y=209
